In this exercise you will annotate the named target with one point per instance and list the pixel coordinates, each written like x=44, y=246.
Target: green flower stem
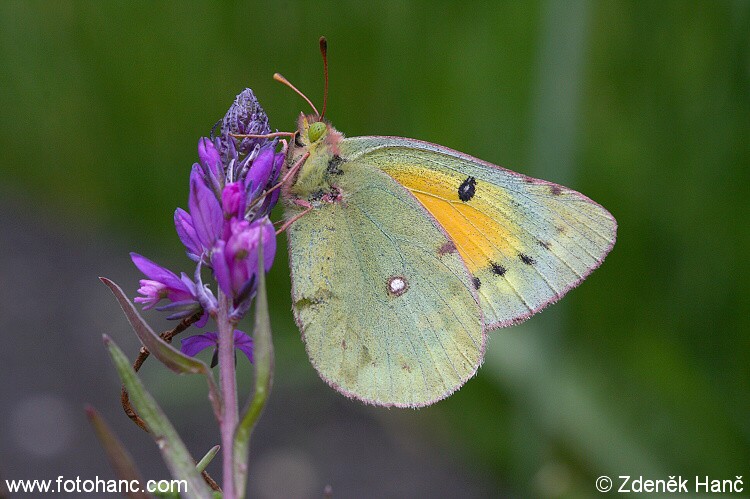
x=263, y=362
x=228, y=387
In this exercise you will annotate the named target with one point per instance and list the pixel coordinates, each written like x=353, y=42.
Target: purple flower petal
x=221, y=268
x=269, y=243
x=269, y=202
x=260, y=171
x=244, y=343
x=240, y=250
x=205, y=211
x=209, y=156
x=195, y=344
x=155, y=271
x=183, y=222
x=202, y=321
x=191, y=306
x=152, y=291
x=233, y=200
x=210, y=163
x=205, y=296
x=278, y=162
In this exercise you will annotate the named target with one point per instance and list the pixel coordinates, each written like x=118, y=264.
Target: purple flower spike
x=219, y=229
x=161, y=283
x=193, y=345
x=205, y=211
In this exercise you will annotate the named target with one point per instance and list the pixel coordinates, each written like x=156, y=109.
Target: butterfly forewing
x=525, y=242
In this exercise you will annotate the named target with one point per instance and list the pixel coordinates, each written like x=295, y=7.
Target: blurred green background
x=642, y=106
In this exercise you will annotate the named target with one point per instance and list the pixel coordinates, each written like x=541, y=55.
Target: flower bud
x=244, y=117
x=233, y=200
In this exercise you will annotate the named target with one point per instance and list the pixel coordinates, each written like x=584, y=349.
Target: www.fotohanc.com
x=97, y=485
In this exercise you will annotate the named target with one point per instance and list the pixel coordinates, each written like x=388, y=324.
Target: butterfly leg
x=301, y=202
x=284, y=180
x=292, y=171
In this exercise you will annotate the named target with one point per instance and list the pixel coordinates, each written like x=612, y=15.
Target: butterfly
x=404, y=254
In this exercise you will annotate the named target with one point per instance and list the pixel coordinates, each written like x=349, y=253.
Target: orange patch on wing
x=478, y=229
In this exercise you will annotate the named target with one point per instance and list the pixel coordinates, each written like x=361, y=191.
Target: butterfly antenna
x=324, y=53
x=283, y=80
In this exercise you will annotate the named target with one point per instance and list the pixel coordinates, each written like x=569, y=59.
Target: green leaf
x=178, y=459
x=119, y=457
x=166, y=353
x=263, y=360
x=210, y=455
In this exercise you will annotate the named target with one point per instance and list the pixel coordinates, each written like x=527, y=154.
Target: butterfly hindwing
x=389, y=315
x=525, y=242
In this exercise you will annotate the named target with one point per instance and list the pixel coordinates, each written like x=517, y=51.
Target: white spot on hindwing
x=397, y=285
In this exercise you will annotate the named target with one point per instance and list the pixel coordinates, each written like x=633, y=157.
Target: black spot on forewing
x=543, y=244
x=526, y=259
x=334, y=163
x=497, y=269
x=467, y=189
x=477, y=282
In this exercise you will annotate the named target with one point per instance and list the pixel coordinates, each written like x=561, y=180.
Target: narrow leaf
x=166, y=353
x=263, y=357
x=120, y=459
x=178, y=459
x=210, y=455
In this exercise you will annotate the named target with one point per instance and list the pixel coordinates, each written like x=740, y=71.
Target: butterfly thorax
x=316, y=177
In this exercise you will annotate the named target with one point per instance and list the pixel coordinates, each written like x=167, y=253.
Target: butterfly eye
x=316, y=131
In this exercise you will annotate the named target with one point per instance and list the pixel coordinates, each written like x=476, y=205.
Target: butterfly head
x=315, y=144
x=316, y=135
